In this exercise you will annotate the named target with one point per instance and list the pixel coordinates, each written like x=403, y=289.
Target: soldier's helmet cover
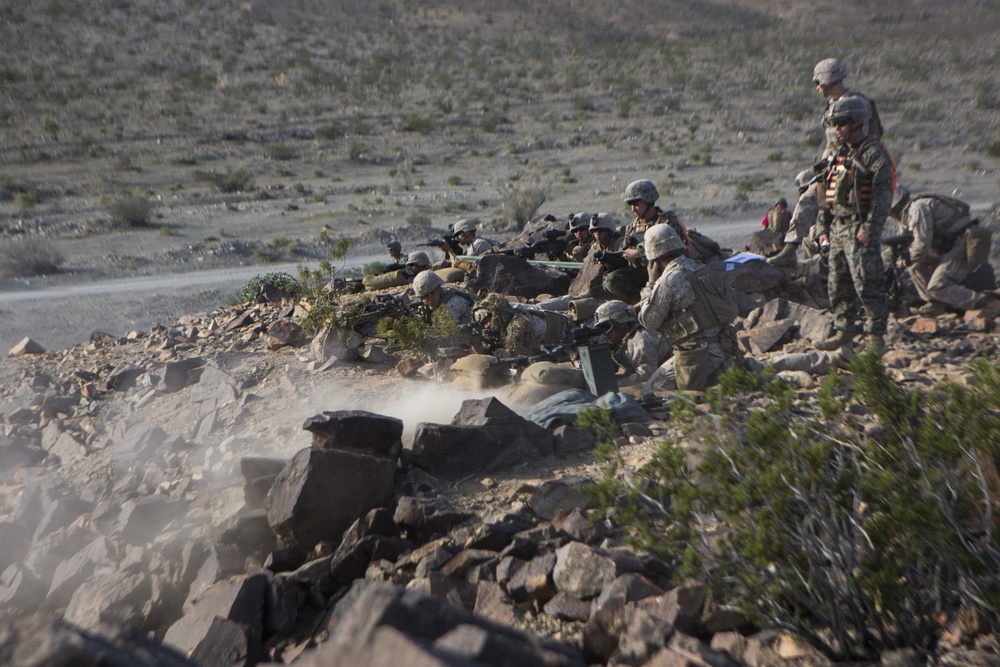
x=803, y=177
x=829, y=71
x=426, y=282
x=464, y=226
x=580, y=221
x=394, y=245
x=900, y=199
x=612, y=312
x=602, y=221
x=418, y=258
x=641, y=190
x=852, y=107
x=660, y=240
x=493, y=306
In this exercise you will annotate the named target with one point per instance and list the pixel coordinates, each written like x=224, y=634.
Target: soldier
x=854, y=205
x=777, y=218
x=606, y=237
x=625, y=279
x=637, y=350
x=417, y=262
x=641, y=196
x=579, y=226
x=939, y=254
x=465, y=234
x=519, y=332
x=395, y=249
x=828, y=77
x=681, y=307
x=430, y=288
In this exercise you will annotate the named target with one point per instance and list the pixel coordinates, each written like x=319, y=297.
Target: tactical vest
x=960, y=208
x=449, y=293
x=713, y=306
x=850, y=186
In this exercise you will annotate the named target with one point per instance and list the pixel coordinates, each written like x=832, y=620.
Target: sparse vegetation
x=234, y=180
x=521, y=201
x=130, y=211
x=251, y=290
x=23, y=257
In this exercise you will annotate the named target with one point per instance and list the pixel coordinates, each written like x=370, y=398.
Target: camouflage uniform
x=777, y=221
x=640, y=353
x=937, y=276
x=521, y=331
x=577, y=251
x=857, y=197
x=701, y=353
x=874, y=122
x=478, y=247
x=458, y=303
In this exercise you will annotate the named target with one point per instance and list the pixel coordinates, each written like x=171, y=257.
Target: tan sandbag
x=532, y=393
x=386, y=280
x=451, y=275
x=546, y=372
x=474, y=372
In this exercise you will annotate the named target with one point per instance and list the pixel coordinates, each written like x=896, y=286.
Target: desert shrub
x=27, y=200
x=330, y=131
x=252, y=288
x=856, y=546
x=239, y=180
x=993, y=149
x=324, y=305
x=280, y=152
x=520, y=202
x=28, y=256
x=419, y=123
x=414, y=336
x=418, y=220
x=130, y=211
x=373, y=268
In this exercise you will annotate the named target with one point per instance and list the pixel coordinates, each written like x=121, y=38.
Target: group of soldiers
x=670, y=321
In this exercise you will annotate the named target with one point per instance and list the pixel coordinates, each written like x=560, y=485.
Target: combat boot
x=875, y=344
x=789, y=256
x=839, y=338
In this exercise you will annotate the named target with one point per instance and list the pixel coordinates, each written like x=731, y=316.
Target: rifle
x=553, y=245
x=610, y=261
x=386, y=305
x=555, y=353
x=451, y=240
x=900, y=245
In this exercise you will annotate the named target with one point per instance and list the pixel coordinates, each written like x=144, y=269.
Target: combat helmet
x=852, y=107
x=426, y=282
x=641, y=190
x=613, y=312
x=803, y=178
x=579, y=221
x=829, y=71
x=464, y=226
x=602, y=221
x=660, y=240
x=493, y=306
x=418, y=258
x=394, y=246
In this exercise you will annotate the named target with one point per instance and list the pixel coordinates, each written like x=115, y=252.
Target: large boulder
x=514, y=276
x=356, y=430
x=321, y=492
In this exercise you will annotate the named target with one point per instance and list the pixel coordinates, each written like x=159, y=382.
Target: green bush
x=252, y=288
x=330, y=131
x=280, y=152
x=240, y=180
x=855, y=545
x=23, y=257
x=130, y=211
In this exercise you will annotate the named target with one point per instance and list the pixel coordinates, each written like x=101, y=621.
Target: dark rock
x=356, y=430
x=115, y=598
x=284, y=332
x=588, y=281
x=320, y=493
x=605, y=610
x=283, y=560
x=259, y=474
x=559, y=496
x=767, y=336
x=459, y=564
x=421, y=519
x=20, y=588
x=492, y=603
x=569, y=441
x=123, y=377
x=139, y=443
x=484, y=647
x=509, y=274
x=25, y=346
x=70, y=574
x=241, y=601
x=38, y=641
x=249, y=531
x=584, y=571
x=579, y=527
x=764, y=242
x=228, y=643
x=452, y=590
x=453, y=452
x=143, y=519
x=514, y=431
x=565, y=607
x=533, y=582
x=180, y=374
x=750, y=277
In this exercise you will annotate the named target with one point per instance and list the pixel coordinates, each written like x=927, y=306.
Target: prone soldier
x=636, y=350
x=518, y=332
x=429, y=287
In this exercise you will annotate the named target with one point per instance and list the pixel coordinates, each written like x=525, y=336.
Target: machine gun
x=553, y=244
x=610, y=261
x=451, y=241
x=386, y=305
x=556, y=353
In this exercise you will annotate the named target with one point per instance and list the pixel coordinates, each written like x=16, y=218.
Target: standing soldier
x=853, y=209
x=828, y=77
x=683, y=307
x=940, y=255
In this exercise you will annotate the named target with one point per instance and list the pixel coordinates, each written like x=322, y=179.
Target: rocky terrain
x=161, y=502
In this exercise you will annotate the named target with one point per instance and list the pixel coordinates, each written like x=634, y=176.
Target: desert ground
x=250, y=132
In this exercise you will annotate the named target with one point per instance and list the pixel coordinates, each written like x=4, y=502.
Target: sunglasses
x=841, y=122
